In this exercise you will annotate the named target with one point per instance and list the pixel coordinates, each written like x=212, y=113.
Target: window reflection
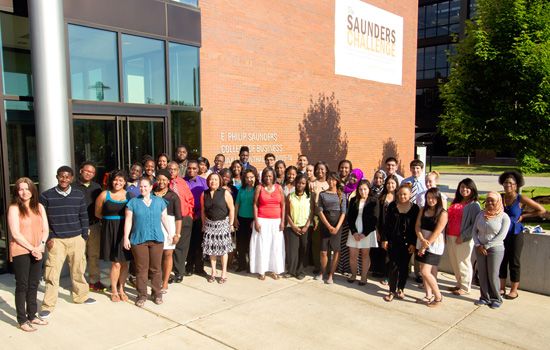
x=186, y=130
x=16, y=55
x=93, y=61
x=184, y=75
x=96, y=140
x=143, y=68
x=21, y=137
x=438, y=19
x=188, y=2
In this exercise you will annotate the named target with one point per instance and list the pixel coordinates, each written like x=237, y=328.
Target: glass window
x=16, y=55
x=143, y=69
x=96, y=140
x=94, y=66
x=442, y=18
x=184, y=75
x=429, y=58
x=188, y=2
x=21, y=137
x=186, y=131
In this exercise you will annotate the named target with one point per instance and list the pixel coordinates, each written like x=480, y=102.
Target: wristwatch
x=179, y=236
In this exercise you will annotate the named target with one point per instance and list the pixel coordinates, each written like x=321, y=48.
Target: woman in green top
x=245, y=217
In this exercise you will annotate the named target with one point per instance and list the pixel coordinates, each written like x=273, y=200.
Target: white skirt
x=367, y=242
x=267, y=249
x=172, y=223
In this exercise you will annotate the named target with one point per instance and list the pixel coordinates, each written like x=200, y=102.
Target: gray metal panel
x=184, y=24
x=80, y=107
x=139, y=15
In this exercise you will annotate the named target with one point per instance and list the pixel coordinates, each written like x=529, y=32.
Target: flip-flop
x=275, y=276
x=261, y=277
x=400, y=294
x=115, y=298
x=389, y=297
x=123, y=297
x=507, y=296
x=425, y=300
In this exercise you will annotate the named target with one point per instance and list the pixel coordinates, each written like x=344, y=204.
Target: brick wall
x=262, y=62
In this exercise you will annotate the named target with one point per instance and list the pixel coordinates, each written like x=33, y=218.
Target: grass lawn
x=526, y=191
x=451, y=168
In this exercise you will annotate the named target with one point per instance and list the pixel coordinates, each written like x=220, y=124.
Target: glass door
x=140, y=137
x=95, y=138
x=115, y=142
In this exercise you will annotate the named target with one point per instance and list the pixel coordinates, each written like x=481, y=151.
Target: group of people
x=159, y=221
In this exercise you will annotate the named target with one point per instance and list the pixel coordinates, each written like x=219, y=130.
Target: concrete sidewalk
x=246, y=313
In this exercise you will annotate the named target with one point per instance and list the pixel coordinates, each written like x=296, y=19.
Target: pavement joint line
x=146, y=336
x=450, y=328
x=210, y=337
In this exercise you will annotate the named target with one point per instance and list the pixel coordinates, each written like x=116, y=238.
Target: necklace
x=161, y=193
x=147, y=201
x=269, y=190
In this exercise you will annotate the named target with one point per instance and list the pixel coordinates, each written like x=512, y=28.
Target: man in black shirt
x=91, y=190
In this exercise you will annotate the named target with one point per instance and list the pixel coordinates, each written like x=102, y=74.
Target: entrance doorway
x=115, y=142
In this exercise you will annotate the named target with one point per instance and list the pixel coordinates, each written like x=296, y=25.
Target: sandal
x=452, y=289
x=115, y=298
x=389, y=297
x=123, y=297
x=435, y=303
x=261, y=277
x=421, y=286
x=39, y=321
x=385, y=282
x=158, y=301
x=460, y=292
x=425, y=300
x=275, y=276
x=222, y=280
x=140, y=303
x=27, y=327
x=212, y=279
x=400, y=294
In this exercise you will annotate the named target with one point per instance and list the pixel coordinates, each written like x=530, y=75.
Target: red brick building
x=264, y=62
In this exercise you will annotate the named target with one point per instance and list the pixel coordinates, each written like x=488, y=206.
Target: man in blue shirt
x=68, y=220
x=197, y=185
x=136, y=172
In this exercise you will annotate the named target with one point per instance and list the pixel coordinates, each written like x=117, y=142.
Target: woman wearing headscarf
x=490, y=229
x=378, y=182
x=349, y=190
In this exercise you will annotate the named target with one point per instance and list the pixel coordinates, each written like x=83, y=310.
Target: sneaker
x=88, y=301
x=44, y=314
x=480, y=302
x=494, y=306
x=98, y=287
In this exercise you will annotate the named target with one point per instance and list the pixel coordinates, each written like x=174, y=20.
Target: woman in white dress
x=363, y=213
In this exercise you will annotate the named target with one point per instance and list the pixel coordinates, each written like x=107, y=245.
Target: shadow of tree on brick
x=389, y=149
x=320, y=134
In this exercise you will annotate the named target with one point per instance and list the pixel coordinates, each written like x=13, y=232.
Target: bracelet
x=43, y=243
x=179, y=236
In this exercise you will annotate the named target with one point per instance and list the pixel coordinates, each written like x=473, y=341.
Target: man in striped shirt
x=68, y=220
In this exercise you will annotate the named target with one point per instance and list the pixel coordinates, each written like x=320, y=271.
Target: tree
x=497, y=97
x=320, y=133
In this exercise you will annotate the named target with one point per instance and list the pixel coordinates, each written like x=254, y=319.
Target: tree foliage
x=497, y=97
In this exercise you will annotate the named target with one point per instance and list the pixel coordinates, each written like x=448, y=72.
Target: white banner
x=368, y=42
